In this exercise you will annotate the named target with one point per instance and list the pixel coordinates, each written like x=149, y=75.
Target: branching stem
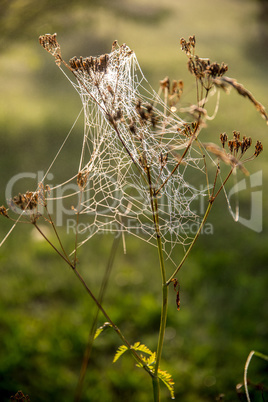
x=98, y=304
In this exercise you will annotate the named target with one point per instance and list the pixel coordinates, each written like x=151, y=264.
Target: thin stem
x=94, y=324
x=76, y=231
x=117, y=330
x=163, y=319
x=57, y=235
x=164, y=306
x=252, y=353
x=52, y=245
x=221, y=187
x=119, y=333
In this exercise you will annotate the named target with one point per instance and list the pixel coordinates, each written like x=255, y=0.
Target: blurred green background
x=45, y=315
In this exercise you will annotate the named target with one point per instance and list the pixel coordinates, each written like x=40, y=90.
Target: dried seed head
x=149, y=108
x=163, y=160
x=132, y=127
x=103, y=62
x=114, y=45
x=192, y=41
x=175, y=92
x=223, y=138
x=258, y=148
x=90, y=64
x=245, y=144
x=187, y=47
x=187, y=130
x=3, y=211
x=202, y=68
x=82, y=179
x=165, y=83
x=236, y=135
x=51, y=45
x=216, y=70
x=238, y=147
x=118, y=115
x=142, y=111
x=231, y=146
x=28, y=203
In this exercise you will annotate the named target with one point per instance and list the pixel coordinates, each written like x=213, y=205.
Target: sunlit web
x=128, y=130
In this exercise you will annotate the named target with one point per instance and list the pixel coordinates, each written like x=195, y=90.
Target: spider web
x=132, y=143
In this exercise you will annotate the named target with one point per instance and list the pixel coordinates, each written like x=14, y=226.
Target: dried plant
x=136, y=138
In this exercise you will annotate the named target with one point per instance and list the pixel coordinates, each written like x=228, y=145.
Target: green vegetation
x=45, y=315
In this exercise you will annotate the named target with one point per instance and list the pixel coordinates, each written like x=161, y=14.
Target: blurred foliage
x=45, y=316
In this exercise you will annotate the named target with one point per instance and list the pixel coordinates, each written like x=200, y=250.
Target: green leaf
x=166, y=378
x=151, y=359
x=122, y=349
x=141, y=348
x=100, y=329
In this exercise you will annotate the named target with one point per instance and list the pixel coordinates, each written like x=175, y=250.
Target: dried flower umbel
x=201, y=68
x=172, y=92
x=28, y=204
x=212, y=74
x=50, y=44
x=238, y=147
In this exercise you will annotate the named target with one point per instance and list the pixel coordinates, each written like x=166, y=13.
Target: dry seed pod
x=258, y=148
x=223, y=138
x=176, y=286
x=82, y=178
x=165, y=83
x=51, y=45
x=3, y=211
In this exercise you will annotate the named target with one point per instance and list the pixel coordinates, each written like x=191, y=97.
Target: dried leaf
x=226, y=82
x=177, y=289
x=226, y=158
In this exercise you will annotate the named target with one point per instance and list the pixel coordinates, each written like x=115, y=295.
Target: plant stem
x=163, y=319
x=164, y=306
x=98, y=304
x=252, y=353
x=156, y=389
x=52, y=245
x=117, y=330
x=87, y=353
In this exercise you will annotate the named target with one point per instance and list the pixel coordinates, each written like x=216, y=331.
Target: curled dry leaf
x=226, y=82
